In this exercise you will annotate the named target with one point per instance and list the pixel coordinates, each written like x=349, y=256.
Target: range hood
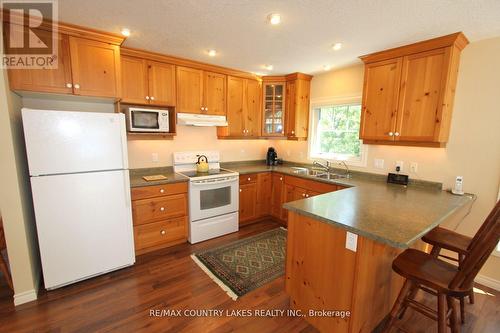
x=190, y=119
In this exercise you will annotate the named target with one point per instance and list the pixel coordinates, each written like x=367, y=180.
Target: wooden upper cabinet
x=274, y=106
x=189, y=90
x=421, y=95
x=46, y=80
x=134, y=80
x=380, y=99
x=235, y=101
x=409, y=91
x=95, y=67
x=161, y=83
x=298, y=87
x=214, y=93
x=252, y=111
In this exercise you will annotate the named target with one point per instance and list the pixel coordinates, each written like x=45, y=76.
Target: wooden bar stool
x=4, y=268
x=442, y=238
x=425, y=272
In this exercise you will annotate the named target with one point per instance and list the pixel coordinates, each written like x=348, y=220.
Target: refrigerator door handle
x=123, y=132
x=126, y=183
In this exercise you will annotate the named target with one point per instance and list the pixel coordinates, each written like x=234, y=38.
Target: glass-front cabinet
x=274, y=108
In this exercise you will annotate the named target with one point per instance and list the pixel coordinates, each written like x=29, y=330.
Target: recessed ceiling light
x=274, y=19
x=212, y=52
x=268, y=67
x=126, y=32
x=327, y=67
x=337, y=46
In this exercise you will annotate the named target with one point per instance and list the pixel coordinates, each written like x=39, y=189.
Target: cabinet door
x=291, y=88
x=380, y=100
x=134, y=80
x=95, y=67
x=301, y=110
x=248, y=206
x=235, y=94
x=264, y=193
x=214, y=93
x=421, y=95
x=189, y=90
x=277, y=196
x=161, y=83
x=274, y=109
x=252, y=110
x=46, y=80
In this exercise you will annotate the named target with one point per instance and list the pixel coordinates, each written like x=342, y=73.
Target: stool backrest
x=3, y=246
x=480, y=249
x=488, y=223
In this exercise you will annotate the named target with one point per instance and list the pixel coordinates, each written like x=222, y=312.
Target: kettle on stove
x=202, y=165
x=272, y=156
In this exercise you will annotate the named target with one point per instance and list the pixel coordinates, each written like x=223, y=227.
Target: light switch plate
x=154, y=157
x=351, y=241
x=379, y=163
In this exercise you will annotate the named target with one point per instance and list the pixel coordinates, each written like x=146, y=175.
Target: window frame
x=329, y=102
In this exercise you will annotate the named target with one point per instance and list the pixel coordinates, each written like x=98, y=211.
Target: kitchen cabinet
x=147, y=82
x=160, y=216
x=95, y=68
x=56, y=80
x=264, y=194
x=408, y=93
x=200, y=91
x=248, y=203
x=278, y=198
x=243, y=108
x=274, y=108
x=85, y=67
x=298, y=87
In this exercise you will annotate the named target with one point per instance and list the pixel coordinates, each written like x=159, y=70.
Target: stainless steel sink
x=330, y=175
x=309, y=172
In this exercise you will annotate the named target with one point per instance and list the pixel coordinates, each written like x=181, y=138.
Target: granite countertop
x=387, y=213
x=136, y=175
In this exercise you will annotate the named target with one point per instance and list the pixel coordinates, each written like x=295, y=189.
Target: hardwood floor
x=168, y=279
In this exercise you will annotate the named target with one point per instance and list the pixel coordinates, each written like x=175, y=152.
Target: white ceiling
x=238, y=29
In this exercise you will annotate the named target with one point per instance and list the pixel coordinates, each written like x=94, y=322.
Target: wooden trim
x=298, y=76
x=406, y=143
x=186, y=63
x=457, y=39
x=75, y=30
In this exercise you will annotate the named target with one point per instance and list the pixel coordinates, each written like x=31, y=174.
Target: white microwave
x=147, y=120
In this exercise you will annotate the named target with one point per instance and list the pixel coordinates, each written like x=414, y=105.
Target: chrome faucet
x=348, y=173
x=326, y=166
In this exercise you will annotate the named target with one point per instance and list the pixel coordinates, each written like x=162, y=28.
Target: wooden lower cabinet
x=264, y=192
x=160, y=215
x=277, y=195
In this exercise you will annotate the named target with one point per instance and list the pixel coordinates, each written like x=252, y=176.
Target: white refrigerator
x=81, y=193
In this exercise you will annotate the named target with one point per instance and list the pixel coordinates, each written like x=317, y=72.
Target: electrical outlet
x=414, y=167
x=400, y=165
x=379, y=163
x=351, y=241
x=154, y=157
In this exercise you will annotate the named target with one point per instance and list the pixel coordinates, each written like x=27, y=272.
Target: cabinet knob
x=303, y=194
x=391, y=134
x=307, y=195
x=162, y=209
x=206, y=109
x=241, y=190
x=147, y=98
x=397, y=134
x=293, y=132
x=162, y=190
x=249, y=179
x=152, y=98
x=163, y=232
x=69, y=85
x=281, y=178
x=77, y=86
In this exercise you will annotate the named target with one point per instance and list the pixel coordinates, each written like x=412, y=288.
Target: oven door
x=213, y=197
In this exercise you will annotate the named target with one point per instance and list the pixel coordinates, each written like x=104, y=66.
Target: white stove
x=213, y=196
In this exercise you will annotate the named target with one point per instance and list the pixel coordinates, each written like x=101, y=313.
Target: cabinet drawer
x=157, y=233
x=158, y=190
x=247, y=179
x=149, y=210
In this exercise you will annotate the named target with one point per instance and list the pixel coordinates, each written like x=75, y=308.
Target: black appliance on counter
x=272, y=156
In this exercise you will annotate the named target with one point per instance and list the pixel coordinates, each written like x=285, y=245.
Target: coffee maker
x=272, y=156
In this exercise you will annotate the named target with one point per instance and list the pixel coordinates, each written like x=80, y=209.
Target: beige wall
x=473, y=150
x=15, y=198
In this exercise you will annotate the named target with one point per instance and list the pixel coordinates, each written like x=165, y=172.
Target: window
x=335, y=133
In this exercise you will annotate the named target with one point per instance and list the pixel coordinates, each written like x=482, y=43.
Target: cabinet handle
x=391, y=134
x=162, y=190
x=69, y=85
x=162, y=209
x=163, y=232
x=147, y=98
x=396, y=134
x=77, y=86
x=152, y=98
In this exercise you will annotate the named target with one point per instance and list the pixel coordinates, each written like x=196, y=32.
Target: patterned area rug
x=246, y=264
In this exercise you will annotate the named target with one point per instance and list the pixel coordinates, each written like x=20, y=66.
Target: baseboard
x=25, y=297
x=488, y=282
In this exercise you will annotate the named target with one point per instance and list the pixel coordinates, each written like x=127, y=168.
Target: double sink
x=323, y=174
